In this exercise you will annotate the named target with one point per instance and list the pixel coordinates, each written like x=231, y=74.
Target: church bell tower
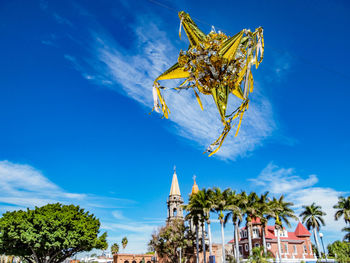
x=175, y=201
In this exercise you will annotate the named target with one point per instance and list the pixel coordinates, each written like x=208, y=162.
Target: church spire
x=175, y=189
x=195, y=186
x=175, y=201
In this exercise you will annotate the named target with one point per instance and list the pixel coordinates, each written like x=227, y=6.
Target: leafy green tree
x=259, y=256
x=220, y=205
x=312, y=215
x=124, y=242
x=343, y=209
x=50, y=234
x=281, y=213
x=339, y=250
x=115, y=248
x=167, y=240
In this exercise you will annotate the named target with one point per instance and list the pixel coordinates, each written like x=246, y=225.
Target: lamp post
x=324, y=251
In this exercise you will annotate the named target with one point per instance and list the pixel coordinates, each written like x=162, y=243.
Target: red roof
x=301, y=231
x=256, y=221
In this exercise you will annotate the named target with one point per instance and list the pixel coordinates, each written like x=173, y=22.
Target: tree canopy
x=50, y=234
x=169, y=238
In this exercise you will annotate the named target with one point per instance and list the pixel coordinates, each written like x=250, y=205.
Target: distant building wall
x=132, y=258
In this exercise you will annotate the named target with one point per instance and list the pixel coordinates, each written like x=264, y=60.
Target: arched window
x=133, y=261
x=126, y=261
x=148, y=261
x=175, y=212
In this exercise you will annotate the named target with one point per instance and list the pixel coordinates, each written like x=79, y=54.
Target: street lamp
x=324, y=251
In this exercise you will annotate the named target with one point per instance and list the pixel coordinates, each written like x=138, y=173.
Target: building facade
x=133, y=258
x=294, y=245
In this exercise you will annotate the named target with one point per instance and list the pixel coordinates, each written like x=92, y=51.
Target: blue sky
x=75, y=96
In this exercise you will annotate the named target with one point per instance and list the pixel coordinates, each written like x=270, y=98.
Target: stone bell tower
x=175, y=201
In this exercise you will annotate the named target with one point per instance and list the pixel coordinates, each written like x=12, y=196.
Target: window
x=240, y=250
x=305, y=249
x=257, y=245
x=245, y=233
x=286, y=248
x=255, y=232
x=175, y=212
x=246, y=247
x=310, y=249
x=282, y=248
x=295, y=249
x=268, y=245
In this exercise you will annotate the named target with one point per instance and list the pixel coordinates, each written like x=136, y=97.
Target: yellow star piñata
x=216, y=65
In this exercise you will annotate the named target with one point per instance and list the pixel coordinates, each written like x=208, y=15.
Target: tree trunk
x=264, y=240
x=250, y=239
x=209, y=235
x=236, y=240
x=317, y=244
x=197, y=244
x=203, y=242
x=279, y=245
x=223, y=240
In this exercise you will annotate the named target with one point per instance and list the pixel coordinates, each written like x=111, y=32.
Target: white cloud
x=118, y=215
x=280, y=180
x=301, y=190
x=111, y=65
x=23, y=186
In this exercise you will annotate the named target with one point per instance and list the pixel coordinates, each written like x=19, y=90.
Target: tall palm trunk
x=236, y=240
x=223, y=240
x=317, y=244
x=209, y=235
x=264, y=239
x=203, y=242
x=250, y=239
x=197, y=244
x=279, y=244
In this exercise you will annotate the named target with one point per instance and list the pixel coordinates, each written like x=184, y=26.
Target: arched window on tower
x=175, y=212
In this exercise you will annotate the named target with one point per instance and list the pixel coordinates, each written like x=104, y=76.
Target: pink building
x=294, y=245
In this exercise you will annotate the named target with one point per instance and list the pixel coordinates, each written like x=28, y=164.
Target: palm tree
x=347, y=235
x=194, y=216
x=220, y=205
x=312, y=215
x=280, y=212
x=115, y=248
x=203, y=202
x=251, y=210
x=343, y=207
x=264, y=210
x=124, y=242
x=235, y=203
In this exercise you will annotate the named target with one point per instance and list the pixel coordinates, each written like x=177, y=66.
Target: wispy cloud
x=301, y=190
x=23, y=186
x=132, y=72
x=62, y=20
